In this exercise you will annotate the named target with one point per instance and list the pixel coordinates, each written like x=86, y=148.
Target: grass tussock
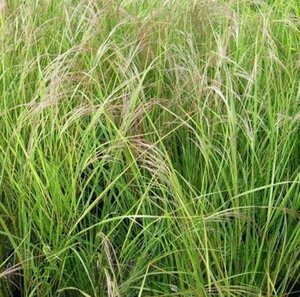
x=149, y=148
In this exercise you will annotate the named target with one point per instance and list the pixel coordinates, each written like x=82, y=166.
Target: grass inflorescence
x=149, y=148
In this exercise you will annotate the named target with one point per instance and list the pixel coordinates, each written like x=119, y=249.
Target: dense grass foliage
x=149, y=148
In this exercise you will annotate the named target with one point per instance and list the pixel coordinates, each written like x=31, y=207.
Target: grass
x=149, y=148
